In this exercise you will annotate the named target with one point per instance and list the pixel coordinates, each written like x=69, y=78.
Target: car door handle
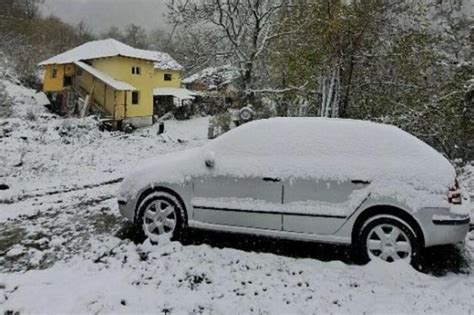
x=360, y=182
x=272, y=179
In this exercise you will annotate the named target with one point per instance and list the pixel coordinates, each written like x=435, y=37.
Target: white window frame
x=136, y=70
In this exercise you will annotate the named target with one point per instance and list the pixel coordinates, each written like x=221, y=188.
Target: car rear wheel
x=161, y=214
x=387, y=238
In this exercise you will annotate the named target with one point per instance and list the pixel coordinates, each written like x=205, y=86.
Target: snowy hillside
x=46, y=152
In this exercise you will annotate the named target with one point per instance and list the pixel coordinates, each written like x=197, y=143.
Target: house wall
x=120, y=68
x=51, y=84
x=102, y=94
x=116, y=103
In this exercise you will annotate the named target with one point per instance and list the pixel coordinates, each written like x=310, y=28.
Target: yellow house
x=128, y=84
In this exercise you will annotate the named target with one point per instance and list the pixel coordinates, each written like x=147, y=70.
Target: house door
x=67, y=81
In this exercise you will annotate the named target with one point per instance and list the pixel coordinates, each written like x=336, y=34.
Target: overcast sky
x=100, y=15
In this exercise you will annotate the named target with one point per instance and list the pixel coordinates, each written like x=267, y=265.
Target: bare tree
x=113, y=32
x=84, y=32
x=20, y=8
x=237, y=31
x=23, y=30
x=135, y=36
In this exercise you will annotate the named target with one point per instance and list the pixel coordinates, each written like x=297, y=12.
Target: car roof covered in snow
x=321, y=136
x=111, y=48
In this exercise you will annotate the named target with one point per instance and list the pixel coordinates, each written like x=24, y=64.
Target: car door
x=319, y=206
x=238, y=201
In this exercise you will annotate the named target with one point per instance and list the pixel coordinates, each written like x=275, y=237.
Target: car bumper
x=127, y=209
x=441, y=226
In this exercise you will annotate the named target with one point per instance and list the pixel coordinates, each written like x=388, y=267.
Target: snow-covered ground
x=64, y=248
x=51, y=153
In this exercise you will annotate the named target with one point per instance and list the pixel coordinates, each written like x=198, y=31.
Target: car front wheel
x=387, y=238
x=160, y=214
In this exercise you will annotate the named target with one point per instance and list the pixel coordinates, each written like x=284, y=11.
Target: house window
x=54, y=73
x=67, y=81
x=135, y=97
x=136, y=70
x=168, y=77
x=79, y=72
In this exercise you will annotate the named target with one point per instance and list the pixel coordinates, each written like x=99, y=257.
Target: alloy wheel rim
x=159, y=219
x=389, y=243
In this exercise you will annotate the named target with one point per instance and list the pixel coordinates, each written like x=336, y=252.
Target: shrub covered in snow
x=30, y=115
x=77, y=128
x=5, y=101
x=222, y=122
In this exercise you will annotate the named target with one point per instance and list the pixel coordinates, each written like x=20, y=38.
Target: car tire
x=161, y=213
x=388, y=238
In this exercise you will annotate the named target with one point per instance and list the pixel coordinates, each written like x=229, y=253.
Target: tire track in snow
x=60, y=191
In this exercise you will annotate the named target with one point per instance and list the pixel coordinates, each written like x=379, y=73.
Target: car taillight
x=454, y=194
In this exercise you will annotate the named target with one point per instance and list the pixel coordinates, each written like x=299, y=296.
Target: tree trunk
x=345, y=100
x=330, y=90
x=249, y=97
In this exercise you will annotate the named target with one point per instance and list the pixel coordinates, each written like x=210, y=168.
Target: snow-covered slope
x=44, y=152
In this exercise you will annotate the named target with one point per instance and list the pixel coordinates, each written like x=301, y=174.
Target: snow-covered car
x=369, y=185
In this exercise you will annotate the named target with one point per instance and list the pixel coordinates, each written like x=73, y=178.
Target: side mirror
x=210, y=160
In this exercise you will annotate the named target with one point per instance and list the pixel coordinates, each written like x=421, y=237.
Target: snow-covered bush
x=30, y=115
x=221, y=123
x=211, y=105
x=78, y=128
x=5, y=102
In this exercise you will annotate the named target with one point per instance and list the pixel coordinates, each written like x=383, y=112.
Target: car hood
x=168, y=168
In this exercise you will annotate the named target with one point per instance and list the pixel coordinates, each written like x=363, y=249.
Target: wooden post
x=125, y=106
x=88, y=99
x=105, y=96
x=115, y=110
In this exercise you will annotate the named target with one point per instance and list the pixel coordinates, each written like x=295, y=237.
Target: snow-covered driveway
x=64, y=248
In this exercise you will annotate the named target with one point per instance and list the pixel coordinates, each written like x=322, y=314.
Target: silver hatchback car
x=369, y=185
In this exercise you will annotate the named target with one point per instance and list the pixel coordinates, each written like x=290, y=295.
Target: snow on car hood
x=167, y=168
x=289, y=148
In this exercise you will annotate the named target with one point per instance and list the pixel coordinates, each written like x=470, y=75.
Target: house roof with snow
x=111, y=48
x=182, y=94
x=104, y=77
x=214, y=76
